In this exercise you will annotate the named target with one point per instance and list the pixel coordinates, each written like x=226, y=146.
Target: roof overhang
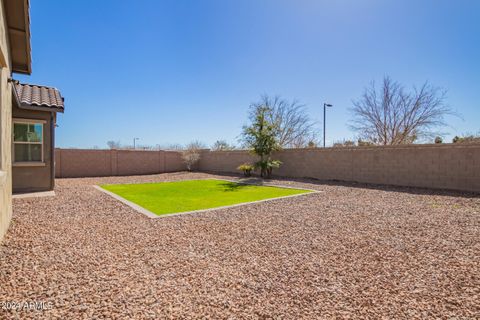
x=40, y=108
x=18, y=25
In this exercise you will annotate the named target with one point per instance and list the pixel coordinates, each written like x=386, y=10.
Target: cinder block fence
x=446, y=166
x=72, y=163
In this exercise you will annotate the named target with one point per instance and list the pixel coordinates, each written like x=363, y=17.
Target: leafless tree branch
x=392, y=115
x=295, y=128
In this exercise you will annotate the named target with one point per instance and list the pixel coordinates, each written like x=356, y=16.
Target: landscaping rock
x=352, y=251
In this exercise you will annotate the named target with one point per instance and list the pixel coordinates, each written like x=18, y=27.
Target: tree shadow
x=232, y=186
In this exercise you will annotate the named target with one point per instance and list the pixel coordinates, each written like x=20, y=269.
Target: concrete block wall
x=224, y=161
x=71, y=163
x=446, y=166
x=173, y=161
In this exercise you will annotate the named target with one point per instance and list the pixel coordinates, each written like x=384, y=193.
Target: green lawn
x=180, y=196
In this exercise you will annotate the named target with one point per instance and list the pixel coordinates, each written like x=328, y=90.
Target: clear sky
x=177, y=70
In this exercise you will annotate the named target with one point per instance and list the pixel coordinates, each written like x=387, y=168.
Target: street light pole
x=134, y=139
x=325, y=105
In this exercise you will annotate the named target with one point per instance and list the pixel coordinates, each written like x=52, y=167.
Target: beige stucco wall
x=34, y=178
x=449, y=166
x=5, y=129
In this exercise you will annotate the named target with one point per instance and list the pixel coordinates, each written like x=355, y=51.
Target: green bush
x=267, y=166
x=260, y=138
x=247, y=169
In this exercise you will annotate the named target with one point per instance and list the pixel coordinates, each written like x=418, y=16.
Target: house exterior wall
x=34, y=178
x=5, y=128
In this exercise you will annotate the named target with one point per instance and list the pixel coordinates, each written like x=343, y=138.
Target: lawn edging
x=132, y=205
x=152, y=215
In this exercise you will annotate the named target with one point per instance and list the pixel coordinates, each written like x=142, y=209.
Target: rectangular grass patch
x=190, y=195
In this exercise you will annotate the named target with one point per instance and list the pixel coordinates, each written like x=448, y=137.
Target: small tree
x=191, y=154
x=438, y=140
x=260, y=137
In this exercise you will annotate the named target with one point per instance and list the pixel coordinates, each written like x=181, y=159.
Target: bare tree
x=191, y=154
x=113, y=144
x=295, y=129
x=222, y=145
x=393, y=115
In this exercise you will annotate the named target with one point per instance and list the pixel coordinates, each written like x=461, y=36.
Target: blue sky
x=177, y=70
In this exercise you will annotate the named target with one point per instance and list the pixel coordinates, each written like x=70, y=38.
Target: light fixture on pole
x=325, y=105
x=135, y=139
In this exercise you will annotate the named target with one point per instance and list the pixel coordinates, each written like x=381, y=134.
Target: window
x=27, y=141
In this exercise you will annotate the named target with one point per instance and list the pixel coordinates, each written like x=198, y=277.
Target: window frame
x=42, y=143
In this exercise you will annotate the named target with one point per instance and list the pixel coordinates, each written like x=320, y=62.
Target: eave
x=18, y=28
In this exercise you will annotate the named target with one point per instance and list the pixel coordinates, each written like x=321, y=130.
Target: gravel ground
x=352, y=251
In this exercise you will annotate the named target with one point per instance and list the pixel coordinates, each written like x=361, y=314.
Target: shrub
x=468, y=138
x=266, y=166
x=191, y=154
x=438, y=140
x=247, y=169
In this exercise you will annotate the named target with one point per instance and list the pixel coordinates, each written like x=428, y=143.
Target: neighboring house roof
x=37, y=97
x=18, y=28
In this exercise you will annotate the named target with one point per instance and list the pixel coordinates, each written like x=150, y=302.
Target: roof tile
x=41, y=96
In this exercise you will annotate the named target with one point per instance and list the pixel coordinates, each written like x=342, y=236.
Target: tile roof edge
x=35, y=85
x=55, y=102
